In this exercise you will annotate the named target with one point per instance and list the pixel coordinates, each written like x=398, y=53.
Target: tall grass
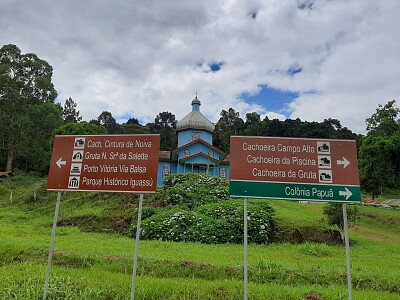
x=98, y=265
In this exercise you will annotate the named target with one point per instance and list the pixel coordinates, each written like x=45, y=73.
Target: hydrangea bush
x=211, y=224
x=193, y=190
x=200, y=210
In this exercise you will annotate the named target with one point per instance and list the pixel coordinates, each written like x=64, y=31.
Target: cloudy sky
x=307, y=59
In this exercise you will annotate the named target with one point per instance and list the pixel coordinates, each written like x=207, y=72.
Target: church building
x=195, y=152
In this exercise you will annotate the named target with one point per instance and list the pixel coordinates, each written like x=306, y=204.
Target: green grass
x=97, y=264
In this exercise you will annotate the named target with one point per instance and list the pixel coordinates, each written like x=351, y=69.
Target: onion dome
x=195, y=119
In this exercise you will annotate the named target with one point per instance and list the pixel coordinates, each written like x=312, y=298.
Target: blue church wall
x=163, y=170
x=186, y=136
x=197, y=148
x=188, y=168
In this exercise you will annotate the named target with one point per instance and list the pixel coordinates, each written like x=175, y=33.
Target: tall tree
x=228, y=124
x=132, y=121
x=379, y=154
x=253, y=125
x=165, y=125
x=69, y=112
x=34, y=150
x=107, y=120
x=25, y=80
x=385, y=122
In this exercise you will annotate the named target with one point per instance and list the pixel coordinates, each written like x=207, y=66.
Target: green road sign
x=295, y=191
x=294, y=169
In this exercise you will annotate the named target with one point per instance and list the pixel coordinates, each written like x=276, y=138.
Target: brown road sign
x=104, y=163
x=318, y=163
x=294, y=160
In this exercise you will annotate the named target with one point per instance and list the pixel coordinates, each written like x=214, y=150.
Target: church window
x=222, y=172
x=196, y=136
x=211, y=154
x=166, y=169
x=187, y=153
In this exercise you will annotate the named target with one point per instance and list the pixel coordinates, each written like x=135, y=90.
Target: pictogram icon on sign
x=77, y=156
x=79, y=143
x=73, y=182
x=323, y=147
x=76, y=169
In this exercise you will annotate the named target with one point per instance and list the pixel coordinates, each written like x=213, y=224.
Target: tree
x=228, y=124
x=230, y=121
x=379, y=153
x=253, y=125
x=132, y=121
x=25, y=80
x=385, y=122
x=80, y=128
x=379, y=163
x=165, y=125
x=69, y=112
x=34, y=151
x=107, y=120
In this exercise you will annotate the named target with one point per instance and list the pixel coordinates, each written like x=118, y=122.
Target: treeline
x=29, y=119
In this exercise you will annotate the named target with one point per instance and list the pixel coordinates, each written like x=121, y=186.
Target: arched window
x=211, y=154
x=222, y=172
x=187, y=153
x=196, y=136
x=166, y=169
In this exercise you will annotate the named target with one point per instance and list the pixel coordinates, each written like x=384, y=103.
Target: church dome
x=195, y=119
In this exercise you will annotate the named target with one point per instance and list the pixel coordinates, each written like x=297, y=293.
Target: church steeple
x=195, y=120
x=196, y=104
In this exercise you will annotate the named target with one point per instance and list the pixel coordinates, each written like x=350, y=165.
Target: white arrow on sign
x=60, y=162
x=343, y=162
x=346, y=193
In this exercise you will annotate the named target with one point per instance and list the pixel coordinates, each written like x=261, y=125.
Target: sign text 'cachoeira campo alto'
x=294, y=169
x=104, y=163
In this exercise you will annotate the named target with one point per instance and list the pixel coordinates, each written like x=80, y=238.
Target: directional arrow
x=60, y=162
x=343, y=162
x=346, y=193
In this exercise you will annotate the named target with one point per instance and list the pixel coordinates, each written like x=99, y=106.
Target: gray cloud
x=138, y=58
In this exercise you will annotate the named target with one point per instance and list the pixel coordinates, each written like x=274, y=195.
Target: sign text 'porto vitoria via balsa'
x=294, y=169
x=104, y=163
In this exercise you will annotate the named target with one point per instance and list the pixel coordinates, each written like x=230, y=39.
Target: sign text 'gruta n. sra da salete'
x=104, y=163
x=294, y=168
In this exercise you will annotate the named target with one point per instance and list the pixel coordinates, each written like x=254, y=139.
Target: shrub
x=212, y=224
x=170, y=225
x=261, y=223
x=334, y=214
x=193, y=190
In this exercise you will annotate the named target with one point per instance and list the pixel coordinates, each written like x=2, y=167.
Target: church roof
x=195, y=119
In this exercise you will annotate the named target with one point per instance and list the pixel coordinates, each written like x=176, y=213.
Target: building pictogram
x=73, y=182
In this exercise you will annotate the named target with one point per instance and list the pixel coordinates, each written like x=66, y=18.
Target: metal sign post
x=246, y=252
x=135, y=261
x=295, y=169
x=103, y=163
x=347, y=243
x=53, y=236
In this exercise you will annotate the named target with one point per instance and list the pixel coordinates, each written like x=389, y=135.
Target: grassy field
x=93, y=257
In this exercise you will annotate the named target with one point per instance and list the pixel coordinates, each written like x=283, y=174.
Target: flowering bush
x=260, y=216
x=170, y=225
x=211, y=224
x=193, y=190
x=203, y=213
